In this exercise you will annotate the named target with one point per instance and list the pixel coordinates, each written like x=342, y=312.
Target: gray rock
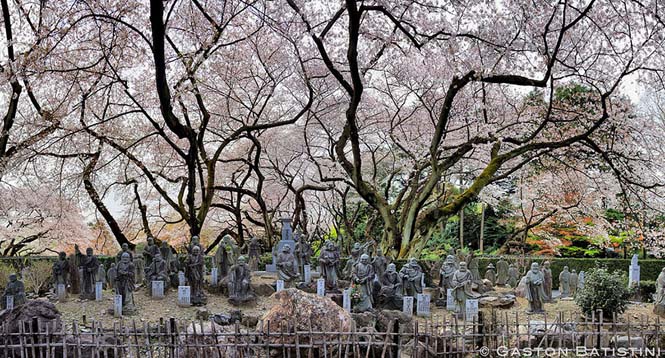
x=202, y=313
x=262, y=289
x=625, y=342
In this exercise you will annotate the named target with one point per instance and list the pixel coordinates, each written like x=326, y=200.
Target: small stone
x=202, y=313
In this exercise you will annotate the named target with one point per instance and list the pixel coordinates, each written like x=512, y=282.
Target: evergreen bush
x=603, y=290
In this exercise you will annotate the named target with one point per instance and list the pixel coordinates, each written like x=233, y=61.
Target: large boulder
x=298, y=310
x=41, y=310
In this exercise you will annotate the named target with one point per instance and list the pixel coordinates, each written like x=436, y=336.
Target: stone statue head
x=462, y=266
x=565, y=268
x=392, y=268
x=329, y=245
x=113, y=265
x=125, y=247
x=364, y=258
x=242, y=260
x=490, y=267
x=101, y=266
x=286, y=249
x=511, y=266
x=575, y=271
x=62, y=256
x=413, y=261
x=535, y=267
x=158, y=257
x=151, y=241
x=196, y=250
x=13, y=277
x=124, y=258
x=88, y=251
x=165, y=244
x=356, y=246
x=450, y=259
x=546, y=264
x=195, y=239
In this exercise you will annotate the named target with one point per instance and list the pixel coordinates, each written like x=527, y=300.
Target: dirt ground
x=151, y=310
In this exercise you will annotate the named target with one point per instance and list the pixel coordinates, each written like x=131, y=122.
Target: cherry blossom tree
x=442, y=84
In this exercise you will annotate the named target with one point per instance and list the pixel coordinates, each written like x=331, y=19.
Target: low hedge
x=649, y=268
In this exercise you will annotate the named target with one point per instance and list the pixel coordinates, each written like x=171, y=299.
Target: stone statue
x=573, y=282
x=356, y=251
x=101, y=275
x=328, y=262
x=490, y=274
x=659, y=296
x=139, y=266
x=239, y=283
x=564, y=282
x=111, y=274
x=125, y=282
x=501, y=272
x=380, y=263
x=157, y=271
x=150, y=251
x=88, y=266
x=287, y=268
x=534, y=291
x=473, y=266
x=303, y=253
x=74, y=275
x=461, y=283
x=390, y=295
x=363, y=276
x=448, y=268
x=61, y=270
x=513, y=276
x=547, y=282
x=124, y=249
x=412, y=276
x=194, y=274
x=195, y=241
x=16, y=289
x=225, y=256
x=254, y=253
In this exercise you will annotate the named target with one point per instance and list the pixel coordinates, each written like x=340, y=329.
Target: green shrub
x=646, y=290
x=603, y=290
x=37, y=276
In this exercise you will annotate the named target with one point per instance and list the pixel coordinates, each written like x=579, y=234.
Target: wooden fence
x=495, y=335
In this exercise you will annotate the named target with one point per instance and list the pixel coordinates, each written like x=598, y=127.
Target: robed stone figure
x=287, y=268
x=239, y=282
x=150, y=251
x=74, y=275
x=15, y=289
x=564, y=282
x=534, y=289
x=125, y=282
x=88, y=266
x=363, y=275
x=328, y=262
x=502, y=272
x=446, y=273
x=490, y=274
x=225, y=257
x=412, y=276
x=390, y=295
x=573, y=282
x=157, y=271
x=547, y=281
x=194, y=274
x=461, y=283
x=61, y=270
